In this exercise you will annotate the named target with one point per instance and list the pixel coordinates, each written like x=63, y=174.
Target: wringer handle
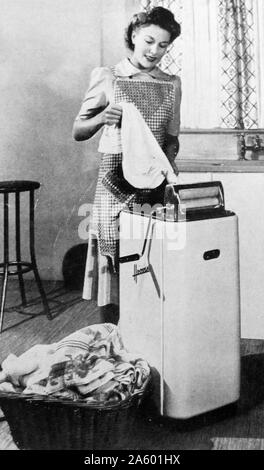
x=129, y=258
x=137, y=256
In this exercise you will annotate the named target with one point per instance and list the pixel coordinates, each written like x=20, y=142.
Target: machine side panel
x=202, y=319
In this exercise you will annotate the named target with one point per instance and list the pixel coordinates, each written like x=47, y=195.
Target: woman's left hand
x=171, y=150
x=174, y=167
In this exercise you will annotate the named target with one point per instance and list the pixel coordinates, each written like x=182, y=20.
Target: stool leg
x=3, y=297
x=18, y=252
x=33, y=257
x=6, y=260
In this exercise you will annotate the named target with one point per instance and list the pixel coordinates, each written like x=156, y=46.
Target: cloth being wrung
x=144, y=163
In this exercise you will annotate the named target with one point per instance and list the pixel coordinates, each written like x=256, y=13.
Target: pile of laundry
x=91, y=364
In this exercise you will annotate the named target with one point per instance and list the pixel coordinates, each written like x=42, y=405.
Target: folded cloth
x=144, y=163
x=90, y=387
x=18, y=370
x=86, y=371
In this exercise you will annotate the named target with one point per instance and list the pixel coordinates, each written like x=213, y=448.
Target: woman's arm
x=171, y=149
x=84, y=129
x=172, y=142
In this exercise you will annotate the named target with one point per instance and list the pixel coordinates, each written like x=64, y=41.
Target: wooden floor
x=234, y=427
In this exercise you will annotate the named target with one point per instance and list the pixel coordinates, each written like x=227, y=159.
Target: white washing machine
x=180, y=298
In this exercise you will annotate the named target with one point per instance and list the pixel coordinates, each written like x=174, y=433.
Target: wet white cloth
x=144, y=163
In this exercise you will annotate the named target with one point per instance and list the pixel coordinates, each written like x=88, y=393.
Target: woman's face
x=151, y=43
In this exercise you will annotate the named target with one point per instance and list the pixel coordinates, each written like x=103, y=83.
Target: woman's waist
x=110, y=161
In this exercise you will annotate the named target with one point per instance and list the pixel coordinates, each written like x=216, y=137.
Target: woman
x=157, y=96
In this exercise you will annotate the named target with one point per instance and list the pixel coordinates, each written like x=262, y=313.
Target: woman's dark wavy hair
x=158, y=16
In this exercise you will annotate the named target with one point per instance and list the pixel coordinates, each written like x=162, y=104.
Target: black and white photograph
x=131, y=234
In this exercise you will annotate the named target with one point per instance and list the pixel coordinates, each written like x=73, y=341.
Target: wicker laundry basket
x=38, y=422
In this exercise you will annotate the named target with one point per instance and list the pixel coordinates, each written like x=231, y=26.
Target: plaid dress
x=155, y=100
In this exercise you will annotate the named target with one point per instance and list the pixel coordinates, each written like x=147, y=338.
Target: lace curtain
x=258, y=6
x=238, y=74
x=219, y=59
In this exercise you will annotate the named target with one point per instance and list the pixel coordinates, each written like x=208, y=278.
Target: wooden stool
x=20, y=267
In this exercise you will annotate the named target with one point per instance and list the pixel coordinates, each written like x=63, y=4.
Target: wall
x=48, y=49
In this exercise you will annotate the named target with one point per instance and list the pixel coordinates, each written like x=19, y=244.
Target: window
x=219, y=59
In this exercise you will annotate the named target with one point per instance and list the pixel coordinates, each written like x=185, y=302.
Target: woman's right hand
x=84, y=129
x=112, y=114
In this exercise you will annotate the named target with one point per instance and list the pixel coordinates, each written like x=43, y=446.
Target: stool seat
x=18, y=185
x=19, y=266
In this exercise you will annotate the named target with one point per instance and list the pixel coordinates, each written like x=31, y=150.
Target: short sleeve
x=174, y=123
x=99, y=93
